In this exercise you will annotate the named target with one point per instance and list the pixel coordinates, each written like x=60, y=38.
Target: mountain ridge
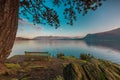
x=21, y=38
x=101, y=36
x=49, y=38
x=112, y=35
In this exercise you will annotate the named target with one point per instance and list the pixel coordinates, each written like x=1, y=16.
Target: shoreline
x=61, y=67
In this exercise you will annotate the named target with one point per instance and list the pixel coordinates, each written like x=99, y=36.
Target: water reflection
x=108, y=44
x=68, y=47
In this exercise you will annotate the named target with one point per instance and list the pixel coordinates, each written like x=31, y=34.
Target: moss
x=26, y=78
x=64, y=64
x=12, y=68
x=62, y=56
x=59, y=78
x=83, y=61
x=72, y=72
x=12, y=65
x=102, y=75
x=68, y=58
x=14, y=79
x=36, y=67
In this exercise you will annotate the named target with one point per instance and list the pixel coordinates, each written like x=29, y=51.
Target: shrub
x=60, y=55
x=72, y=56
x=85, y=56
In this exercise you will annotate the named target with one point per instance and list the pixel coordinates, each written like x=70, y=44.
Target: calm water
x=69, y=47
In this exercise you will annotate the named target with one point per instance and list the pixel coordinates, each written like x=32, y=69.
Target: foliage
x=60, y=55
x=85, y=56
x=42, y=13
x=72, y=56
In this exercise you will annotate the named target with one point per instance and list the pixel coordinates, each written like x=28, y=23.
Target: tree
x=40, y=13
x=8, y=26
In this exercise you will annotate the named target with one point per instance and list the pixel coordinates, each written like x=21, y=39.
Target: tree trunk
x=8, y=26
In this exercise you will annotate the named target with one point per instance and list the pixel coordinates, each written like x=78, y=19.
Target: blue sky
x=105, y=18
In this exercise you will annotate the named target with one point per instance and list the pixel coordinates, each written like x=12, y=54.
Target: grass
x=68, y=57
x=37, y=67
x=26, y=78
x=13, y=79
x=62, y=56
x=12, y=65
x=59, y=78
x=102, y=75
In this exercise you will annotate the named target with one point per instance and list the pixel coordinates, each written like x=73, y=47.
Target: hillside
x=113, y=35
x=21, y=38
x=54, y=38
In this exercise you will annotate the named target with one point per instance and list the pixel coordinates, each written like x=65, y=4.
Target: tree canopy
x=42, y=13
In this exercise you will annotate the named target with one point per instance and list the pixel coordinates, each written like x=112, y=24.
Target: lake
x=106, y=50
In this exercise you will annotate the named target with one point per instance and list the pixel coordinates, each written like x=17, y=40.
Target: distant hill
x=54, y=38
x=113, y=35
x=49, y=38
x=21, y=38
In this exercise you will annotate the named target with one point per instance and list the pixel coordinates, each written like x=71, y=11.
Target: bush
x=85, y=56
x=60, y=55
x=72, y=56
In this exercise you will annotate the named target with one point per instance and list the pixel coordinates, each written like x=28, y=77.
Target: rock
x=94, y=70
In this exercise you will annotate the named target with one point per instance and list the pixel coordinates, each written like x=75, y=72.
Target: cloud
x=25, y=23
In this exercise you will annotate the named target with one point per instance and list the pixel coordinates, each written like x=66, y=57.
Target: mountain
x=113, y=35
x=49, y=38
x=21, y=38
x=54, y=38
